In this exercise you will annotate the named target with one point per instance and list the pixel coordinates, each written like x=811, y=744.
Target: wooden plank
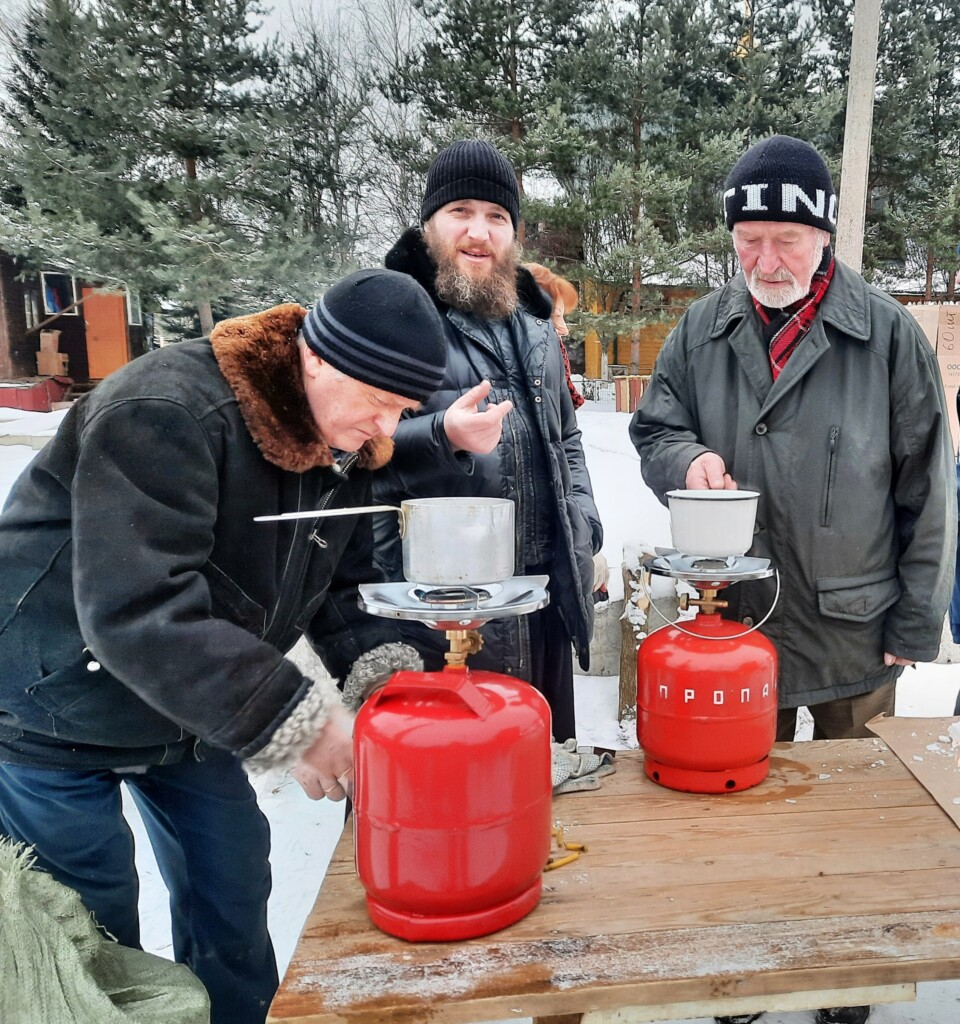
x=634, y=597
x=781, y=1004
x=649, y=910
x=500, y=978
x=630, y=795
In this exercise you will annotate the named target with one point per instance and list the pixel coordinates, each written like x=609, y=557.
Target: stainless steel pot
x=457, y=541
x=447, y=542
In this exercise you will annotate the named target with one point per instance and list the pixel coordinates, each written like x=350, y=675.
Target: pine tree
x=490, y=67
x=912, y=214
x=147, y=153
x=322, y=88
x=641, y=101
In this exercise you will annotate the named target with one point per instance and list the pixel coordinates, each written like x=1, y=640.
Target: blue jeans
x=212, y=846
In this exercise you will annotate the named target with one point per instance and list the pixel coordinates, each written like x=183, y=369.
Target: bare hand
x=601, y=571
x=891, y=659
x=326, y=769
x=469, y=429
x=708, y=472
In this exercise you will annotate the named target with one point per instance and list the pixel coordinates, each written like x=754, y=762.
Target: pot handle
x=324, y=513
x=457, y=683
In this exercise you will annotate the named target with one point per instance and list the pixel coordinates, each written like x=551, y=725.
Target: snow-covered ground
x=305, y=832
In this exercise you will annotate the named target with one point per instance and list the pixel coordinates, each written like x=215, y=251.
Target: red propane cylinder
x=707, y=705
x=452, y=803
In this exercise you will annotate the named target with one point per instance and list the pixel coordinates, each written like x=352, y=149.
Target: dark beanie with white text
x=781, y=179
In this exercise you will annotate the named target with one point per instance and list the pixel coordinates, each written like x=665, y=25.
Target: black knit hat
x=781, y=179
x=380, y=327
x=471, y=169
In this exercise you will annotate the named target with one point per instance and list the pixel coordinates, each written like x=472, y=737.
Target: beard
x=777, y=297
x=492, y=295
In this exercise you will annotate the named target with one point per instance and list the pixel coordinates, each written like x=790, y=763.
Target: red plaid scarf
x=797, y=319
x=578, y=399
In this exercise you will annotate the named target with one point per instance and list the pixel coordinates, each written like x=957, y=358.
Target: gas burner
x=712, y=564
x=455, y=607
x=456, y=598
x=704, y=571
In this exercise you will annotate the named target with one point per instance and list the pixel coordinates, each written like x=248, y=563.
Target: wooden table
x=836, y=881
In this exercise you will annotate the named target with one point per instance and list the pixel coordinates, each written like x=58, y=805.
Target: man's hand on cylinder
x=326, y=769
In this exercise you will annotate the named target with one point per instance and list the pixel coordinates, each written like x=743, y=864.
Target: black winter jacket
x=424, y=465
x=141, y=607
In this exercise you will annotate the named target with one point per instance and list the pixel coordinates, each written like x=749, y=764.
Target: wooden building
x=99, y=330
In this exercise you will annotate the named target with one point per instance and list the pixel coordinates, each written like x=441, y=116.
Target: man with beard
x=502, y=423
x=799, y=380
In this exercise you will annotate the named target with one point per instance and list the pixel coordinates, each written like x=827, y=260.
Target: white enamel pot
x=716, y=524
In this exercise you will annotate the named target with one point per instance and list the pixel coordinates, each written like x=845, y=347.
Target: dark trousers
x=212, y=845
x=841, y=719
x=551, y=661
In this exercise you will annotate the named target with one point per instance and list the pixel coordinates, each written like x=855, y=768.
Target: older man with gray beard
x=502, y=424
x=799, y=380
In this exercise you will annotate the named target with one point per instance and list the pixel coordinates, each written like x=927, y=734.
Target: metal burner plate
x=707, y=571
x=444, y=597
x=518, y=595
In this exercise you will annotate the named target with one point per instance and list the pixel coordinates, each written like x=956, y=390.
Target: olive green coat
x=851, y=453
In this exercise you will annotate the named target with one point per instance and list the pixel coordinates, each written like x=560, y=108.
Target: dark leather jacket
x=425, y=466
x=141, y=607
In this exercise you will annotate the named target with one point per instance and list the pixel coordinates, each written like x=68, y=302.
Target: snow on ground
x=305, y=832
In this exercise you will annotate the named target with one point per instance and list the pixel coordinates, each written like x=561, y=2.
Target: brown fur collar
x=259, y=357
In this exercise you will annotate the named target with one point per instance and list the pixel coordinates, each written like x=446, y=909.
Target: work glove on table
x=575, y=771
x=372, y=670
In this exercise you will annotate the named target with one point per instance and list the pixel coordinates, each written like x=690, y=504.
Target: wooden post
x=592, y=355
x=634, y=596
x=857, y=132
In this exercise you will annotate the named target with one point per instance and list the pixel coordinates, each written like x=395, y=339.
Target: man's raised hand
x=472, y=429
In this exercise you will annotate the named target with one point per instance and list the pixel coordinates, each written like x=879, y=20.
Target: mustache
x=782, y=274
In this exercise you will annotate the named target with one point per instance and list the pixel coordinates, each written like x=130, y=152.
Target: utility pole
x=857, y=133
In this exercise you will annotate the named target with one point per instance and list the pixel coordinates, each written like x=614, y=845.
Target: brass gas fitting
x=463, y=642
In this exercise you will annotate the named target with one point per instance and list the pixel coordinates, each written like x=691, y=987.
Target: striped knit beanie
x=471, y=169
x=380, y=327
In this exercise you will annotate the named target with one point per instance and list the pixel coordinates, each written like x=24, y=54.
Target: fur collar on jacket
x=260, y=359
x=410, y=256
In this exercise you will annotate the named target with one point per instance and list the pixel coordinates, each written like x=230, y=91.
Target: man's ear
x=310, y=362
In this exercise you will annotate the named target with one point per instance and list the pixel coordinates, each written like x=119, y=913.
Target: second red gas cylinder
x=706, y=705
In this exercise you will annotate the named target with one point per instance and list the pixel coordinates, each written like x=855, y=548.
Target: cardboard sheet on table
x=931, y=752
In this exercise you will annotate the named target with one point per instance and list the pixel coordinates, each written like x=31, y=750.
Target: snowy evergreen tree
x=147, y=152
x=912, y=217
x=490, y=67
x=321, y=86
